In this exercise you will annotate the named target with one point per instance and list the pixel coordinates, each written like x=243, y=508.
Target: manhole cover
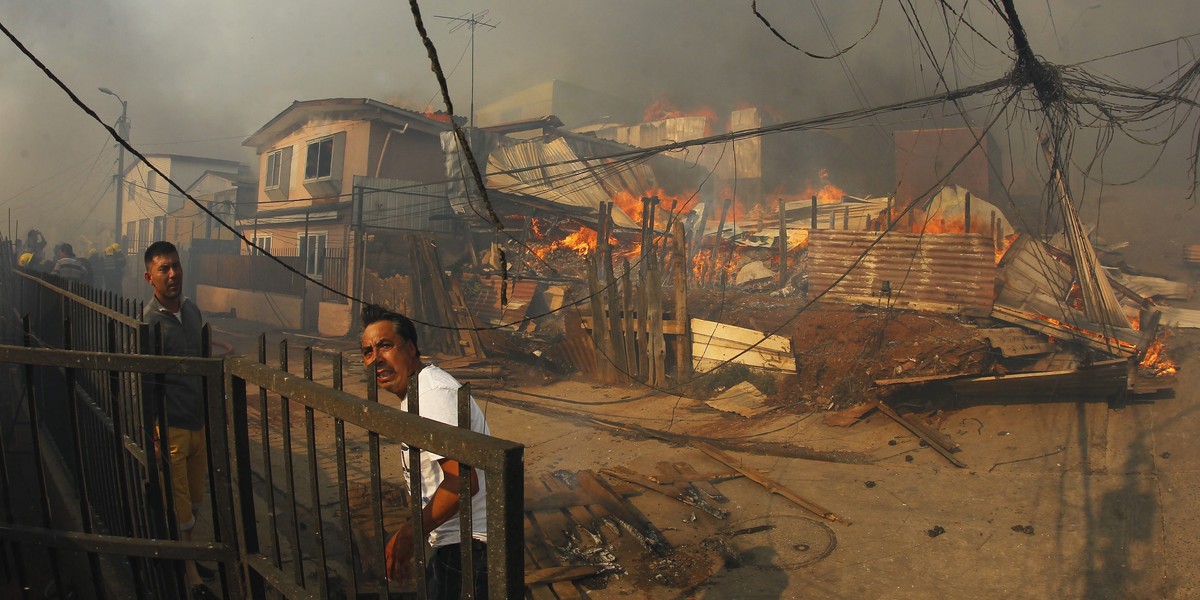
x=786, y=541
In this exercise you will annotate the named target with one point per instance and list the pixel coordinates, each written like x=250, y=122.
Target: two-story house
x=148, y=199
x=311, y=158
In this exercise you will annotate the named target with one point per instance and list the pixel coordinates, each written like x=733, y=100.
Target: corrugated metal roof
x=1032, y=291
x=534, y=168
x=950, y=272
x=485, y=306
x=1180, y=317
x=400, y=204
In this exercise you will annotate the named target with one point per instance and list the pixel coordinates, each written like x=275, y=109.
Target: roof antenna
x=479, y=19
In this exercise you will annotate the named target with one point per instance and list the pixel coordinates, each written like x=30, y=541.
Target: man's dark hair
x=159, y=248
x=372, y=313
x=66, y=249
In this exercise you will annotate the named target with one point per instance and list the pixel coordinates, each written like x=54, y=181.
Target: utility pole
x=123, y=132
x=478, y=19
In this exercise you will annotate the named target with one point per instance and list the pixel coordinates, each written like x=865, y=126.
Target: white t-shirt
x=438, y=393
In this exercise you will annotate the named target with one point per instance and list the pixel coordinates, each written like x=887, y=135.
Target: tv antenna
x=473, y=21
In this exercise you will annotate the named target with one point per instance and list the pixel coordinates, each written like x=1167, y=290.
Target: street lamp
x=123, y=132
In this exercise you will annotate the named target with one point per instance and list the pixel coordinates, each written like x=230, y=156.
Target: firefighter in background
x=113, y=267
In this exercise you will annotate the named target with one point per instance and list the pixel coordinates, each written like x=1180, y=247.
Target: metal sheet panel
x=947, y=272
x=1180, y=317
x=485, y=306
x=400, y=204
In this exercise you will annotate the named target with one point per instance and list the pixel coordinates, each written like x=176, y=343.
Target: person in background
x=389, y=347
x=69, y=267
x=95, y=265
x=182, y=335
x=114, y=267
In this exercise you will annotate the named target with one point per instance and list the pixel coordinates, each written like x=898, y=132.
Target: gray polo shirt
x=181, y=337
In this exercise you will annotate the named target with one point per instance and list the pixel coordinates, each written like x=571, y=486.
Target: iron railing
x=297, y=520
x=303, y=548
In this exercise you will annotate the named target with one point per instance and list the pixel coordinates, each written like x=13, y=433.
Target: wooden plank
x=1092, y=339
x=753, y=358
x=604, y=368
x=670, y=326
x=686, y=471
x=675, y=492
x=683, y=347
x=917, y=431
x=643, y=324
x=542, y=551
x=921, y=379
x=615, y=343
x=702, y=329
x=658, y=348
x=553, y=526
x=472, y=346
x=729, y=345
x=564, y=573
x=627, y=325
x=648, y=535
x=771, y=485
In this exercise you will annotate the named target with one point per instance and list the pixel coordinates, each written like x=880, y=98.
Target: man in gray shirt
x=182, y=325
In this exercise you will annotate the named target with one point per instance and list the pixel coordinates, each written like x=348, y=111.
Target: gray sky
x=201, y=76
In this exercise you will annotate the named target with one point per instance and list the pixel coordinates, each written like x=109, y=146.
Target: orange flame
x=1155, y=362
x=632, y=205
x=581, y=242
x=661, y=109
x=827, y=193
x=1005, y=244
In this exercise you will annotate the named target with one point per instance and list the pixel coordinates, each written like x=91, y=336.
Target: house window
x=143, y=234
x=262, y=241
x=274, y=169
x=312, y=250
x=151, y=179
x=130, y=188
x=319, y=161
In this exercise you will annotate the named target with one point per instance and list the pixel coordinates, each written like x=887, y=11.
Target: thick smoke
x=199, y=77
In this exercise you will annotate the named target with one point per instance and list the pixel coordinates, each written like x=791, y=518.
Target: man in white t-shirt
x=389, y=347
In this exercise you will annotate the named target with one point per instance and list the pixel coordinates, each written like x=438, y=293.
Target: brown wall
x=925, y=156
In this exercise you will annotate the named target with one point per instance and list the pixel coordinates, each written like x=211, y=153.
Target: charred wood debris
x=839, y=308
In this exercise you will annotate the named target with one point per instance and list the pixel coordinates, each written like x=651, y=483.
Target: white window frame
x=314, y=262
x=262, y=240
x=308, y=158
x=275, y=156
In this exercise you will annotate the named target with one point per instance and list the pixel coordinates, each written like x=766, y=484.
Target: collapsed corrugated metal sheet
x=1152, y=287
x=1033, y=290
x=485, y=306
x=946, y=272
x=535, y=169
x=581, y=184
x=1180, y=317
x=400, y=204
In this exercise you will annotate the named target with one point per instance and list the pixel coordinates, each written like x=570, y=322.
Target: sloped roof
x=302, y=111
x=575, y=172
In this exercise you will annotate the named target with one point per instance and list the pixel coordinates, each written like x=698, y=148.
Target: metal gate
x=86, y=507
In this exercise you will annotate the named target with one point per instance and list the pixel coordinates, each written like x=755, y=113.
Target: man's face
x=165, y=275
x=393, y=359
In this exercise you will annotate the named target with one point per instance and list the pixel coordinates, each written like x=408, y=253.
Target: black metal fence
x=296, y=511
